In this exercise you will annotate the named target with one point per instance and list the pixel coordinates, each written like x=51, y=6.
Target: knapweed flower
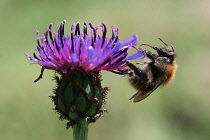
x=78, y=59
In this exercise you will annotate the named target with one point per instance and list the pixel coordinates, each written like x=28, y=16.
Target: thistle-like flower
x=78, y=59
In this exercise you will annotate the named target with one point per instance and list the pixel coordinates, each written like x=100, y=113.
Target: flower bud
x=79, y=97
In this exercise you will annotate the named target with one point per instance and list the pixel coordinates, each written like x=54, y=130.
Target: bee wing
x=141, y=95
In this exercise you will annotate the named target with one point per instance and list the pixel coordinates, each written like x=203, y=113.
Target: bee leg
x=141, y=63
x=151, y=57
x=137, y=71
x=120, y=72
x=134, y=96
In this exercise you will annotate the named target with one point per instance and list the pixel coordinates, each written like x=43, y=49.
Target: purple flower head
x=78, y=59
x=91, y=52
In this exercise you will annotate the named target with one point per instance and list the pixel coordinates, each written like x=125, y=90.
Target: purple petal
x=91, y=52
x=136, y=56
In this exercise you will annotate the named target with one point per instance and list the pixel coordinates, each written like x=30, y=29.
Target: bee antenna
x=163, y=42
x=172, y=48
x=166, y=44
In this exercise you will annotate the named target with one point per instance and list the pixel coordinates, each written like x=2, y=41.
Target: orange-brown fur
x=172, y=68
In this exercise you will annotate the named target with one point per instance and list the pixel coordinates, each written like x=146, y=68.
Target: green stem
x=80, y=131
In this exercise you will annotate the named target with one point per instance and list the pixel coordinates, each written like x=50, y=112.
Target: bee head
x=165, y=52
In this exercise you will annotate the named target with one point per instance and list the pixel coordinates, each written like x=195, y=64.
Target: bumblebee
x=157, y=69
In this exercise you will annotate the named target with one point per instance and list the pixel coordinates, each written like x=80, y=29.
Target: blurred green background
x=179, y=111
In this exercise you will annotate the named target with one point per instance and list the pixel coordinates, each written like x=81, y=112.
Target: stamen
x=37, y=38
x=85, y=29
x=116, y=39
x=50, y=32
x=121, y=58
x=44, y=52
x=36, y=56
x=113, y=35
x=40, y=76
x=46, y=35
x=37, y=35
x=94, y=32
x=107, y=60
x=104, y=33
x=120, y=52
x=56, y=45
x=80, y=46
x=38, y=43
x=72, y=37
x=61, y=32
x=77, y=31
